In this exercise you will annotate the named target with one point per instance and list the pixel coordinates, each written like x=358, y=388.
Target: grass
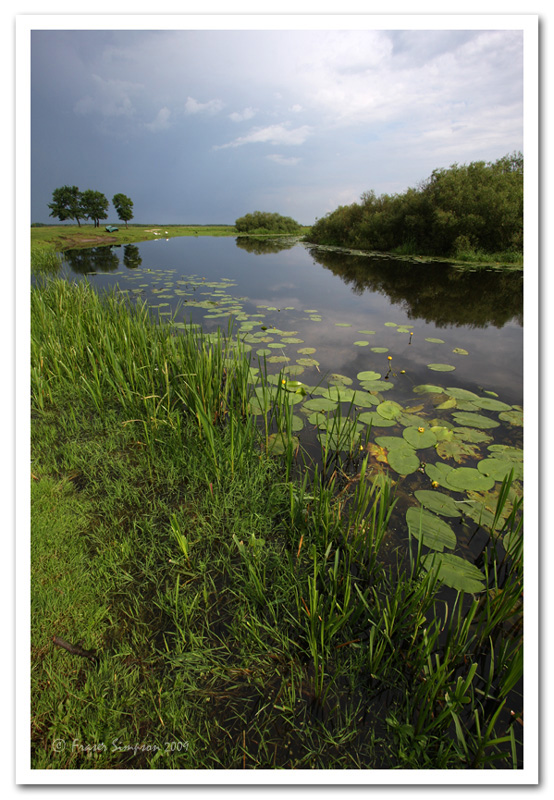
x=62, y=237
x=238, y=602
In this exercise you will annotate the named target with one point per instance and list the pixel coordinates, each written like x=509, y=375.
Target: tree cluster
x=472, y=207
x=266, y=222
x=69, y=202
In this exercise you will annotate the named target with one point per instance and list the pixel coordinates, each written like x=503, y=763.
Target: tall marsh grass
x=249, y=590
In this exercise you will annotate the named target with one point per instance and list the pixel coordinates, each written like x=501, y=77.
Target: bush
x=266, y=222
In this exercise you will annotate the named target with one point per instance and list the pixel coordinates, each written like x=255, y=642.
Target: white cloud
x=296, y=108
x=161, y=122
x=278, y=134
x=241, y=116
x=288, y=161
x=192, y=106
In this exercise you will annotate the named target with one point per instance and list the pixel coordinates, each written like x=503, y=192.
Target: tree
x=95, y=206
x=266, y=222
x=124, y=207
x=66, y=204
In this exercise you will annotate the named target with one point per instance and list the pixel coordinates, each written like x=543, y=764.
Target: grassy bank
x=63, y=237
x=236, y=601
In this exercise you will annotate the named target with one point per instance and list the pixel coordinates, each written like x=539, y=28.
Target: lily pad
x=368, y=375
x=512, y=417
x=465, y=479
x=278, y=443
x=425, y=388
x=469, y=420
x=461, y=394
x=455, y=572
x=506, y=452
x=490, y=404
x=419, y=437
x=389, y=409
x=377, y=386
x=367, y=333
x=380, y=349
x=306, y=350
x=438, y=502
x=460, y=351
x=459, y=450
x=438, y=473
x=434, y=532
x=307, y=362
x=472, y=435
x=441, y=367
x=404, y=460
x=361, y=344
x=436, y=341
x=376, y=420
x=339, y=380
x=320, y=404
x=498, y=469
x=343, y=324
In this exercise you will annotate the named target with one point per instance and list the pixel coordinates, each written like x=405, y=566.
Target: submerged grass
x=237, y=602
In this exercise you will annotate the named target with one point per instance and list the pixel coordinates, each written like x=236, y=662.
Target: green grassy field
x=237, y=601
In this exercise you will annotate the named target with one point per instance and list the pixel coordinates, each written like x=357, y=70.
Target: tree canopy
x=470, y=207
x=124, y=207
x=66, y=204
x=266, y=222
x=69, y=202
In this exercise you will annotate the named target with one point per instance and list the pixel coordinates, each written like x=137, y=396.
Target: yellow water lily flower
x=421, y=430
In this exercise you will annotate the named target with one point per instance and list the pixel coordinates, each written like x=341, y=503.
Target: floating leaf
x=436, y=341
x=512, y=417
x=460, y=351
x=263, y=352
x=507, y=452
x=377, y=386
x=461, y=394
x=380, y=349
x=368, y=375
x=343, y=324
x=376, y=420
x=425, y=388
x=419, y=437
x=465, y=478
x=471, y=435
x=404, y=460
x=450, y=403
x=433, y=531
x=441, y=367
x=307, y=362
x=306, y=350
x=438, y=502
x=361, y=344
x=390, y=442
x=293, y=369
x=391, y=324
x=278, y=443
x=499, y=469
x=389, y=409
x=470, y=420
x=442, y=433
x=292, y=340
x=337, y=378
x=455, y=572
x=367, y=333
x=489, y=404
x=438, y=473
x=458, y=450
x=320, y=404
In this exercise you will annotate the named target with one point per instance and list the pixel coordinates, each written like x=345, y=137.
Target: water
x=479, y=312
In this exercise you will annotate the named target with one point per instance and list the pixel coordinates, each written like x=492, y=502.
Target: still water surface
x=330, y=301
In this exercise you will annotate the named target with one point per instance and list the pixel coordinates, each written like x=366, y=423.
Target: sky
x=204, y=126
